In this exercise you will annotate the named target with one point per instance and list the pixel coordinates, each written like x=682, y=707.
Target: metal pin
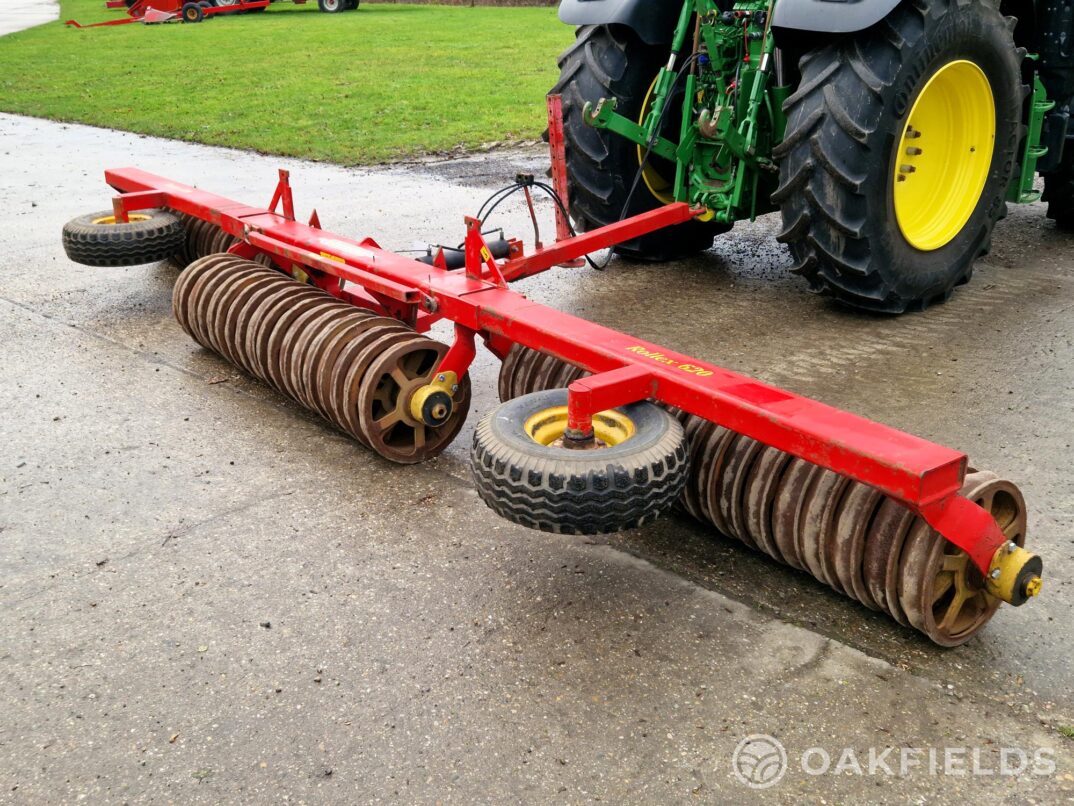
x=913, y=151
x=907, y=169
x=911, y=133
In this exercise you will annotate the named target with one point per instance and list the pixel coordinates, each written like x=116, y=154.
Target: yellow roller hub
x=111, y=219
x=941, y=165
x=548, y=426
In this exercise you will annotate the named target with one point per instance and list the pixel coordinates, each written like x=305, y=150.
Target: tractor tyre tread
x=608, y=61
x=834, y=188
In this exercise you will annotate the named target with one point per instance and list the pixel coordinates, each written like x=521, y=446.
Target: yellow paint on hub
x=943, y=157
x=111, y=219
x=548, y=426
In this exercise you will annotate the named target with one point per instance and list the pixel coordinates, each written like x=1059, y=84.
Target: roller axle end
x=1015, y=574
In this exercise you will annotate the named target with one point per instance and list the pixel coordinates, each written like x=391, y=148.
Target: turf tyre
x=578, y=491
x=837, y=159
x=158, y=237
x=608, y=61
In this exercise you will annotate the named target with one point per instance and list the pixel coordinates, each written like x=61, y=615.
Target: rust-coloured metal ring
x=384, y=402
x=760, y=494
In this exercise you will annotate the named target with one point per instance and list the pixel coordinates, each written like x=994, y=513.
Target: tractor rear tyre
x=899, y=147
x=97, y=240
x=629, y=476
x=612, y=62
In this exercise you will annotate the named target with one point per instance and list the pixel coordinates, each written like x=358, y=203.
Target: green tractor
x=889, y=134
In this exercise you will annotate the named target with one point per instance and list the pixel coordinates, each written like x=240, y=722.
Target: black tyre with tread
x=158, y=237
x=193, y=12
x=612, y=62
x=567, y=491
x=845, y=120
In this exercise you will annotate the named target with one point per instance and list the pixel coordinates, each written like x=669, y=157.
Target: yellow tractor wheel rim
x=111, y=219
x=548, y=426
x=659, y=185
x=943, y=157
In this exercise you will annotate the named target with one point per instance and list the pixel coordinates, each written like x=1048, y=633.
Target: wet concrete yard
x=208, y=595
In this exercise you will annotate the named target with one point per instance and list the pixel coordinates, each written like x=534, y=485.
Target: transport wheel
x=192, y=12
x=97, y=240
x=899, y=147
x=633, y=473
x=612, y=62
x=332, y=6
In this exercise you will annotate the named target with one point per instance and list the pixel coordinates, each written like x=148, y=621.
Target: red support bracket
x=557, y=149
x=461, y=353
x=283, y=193
x=967, y=526
x=533, y=217
x=126, y=203
x=588, y=396
x=479, y=258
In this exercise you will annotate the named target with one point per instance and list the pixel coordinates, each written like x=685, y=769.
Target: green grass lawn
x=383, y=82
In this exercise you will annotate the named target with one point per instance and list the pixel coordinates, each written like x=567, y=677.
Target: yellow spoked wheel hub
x=111, y=219
x=547, y=427
x=943, y=157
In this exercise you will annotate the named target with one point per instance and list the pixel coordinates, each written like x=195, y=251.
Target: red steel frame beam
x=923, y=475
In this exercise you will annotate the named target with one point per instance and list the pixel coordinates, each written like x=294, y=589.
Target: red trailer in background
x=153, y=11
